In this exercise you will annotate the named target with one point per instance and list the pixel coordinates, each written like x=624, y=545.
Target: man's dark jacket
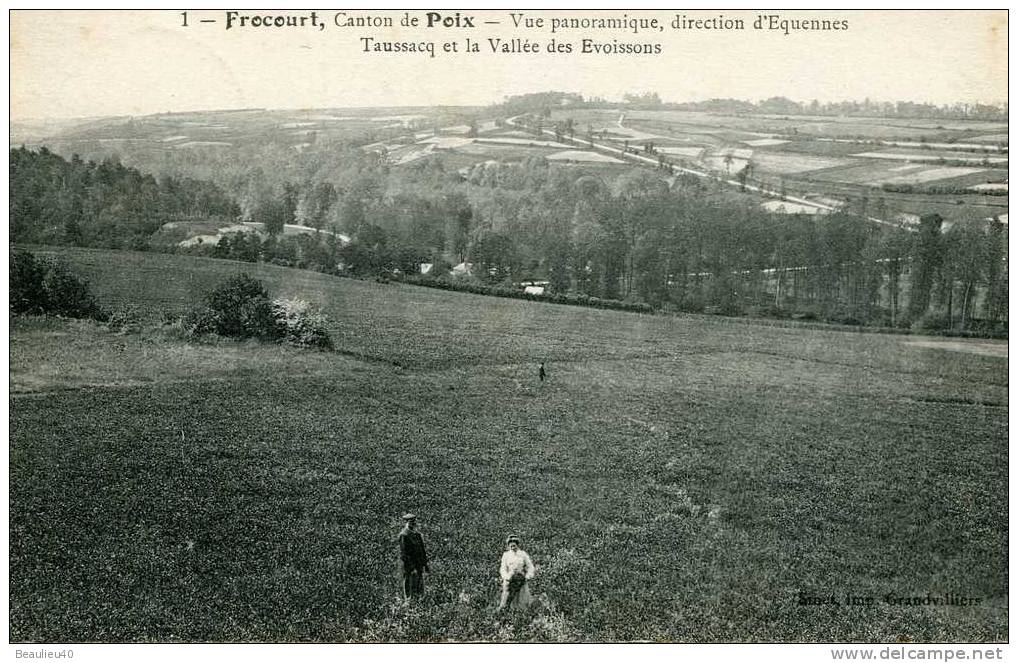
x=411, y=549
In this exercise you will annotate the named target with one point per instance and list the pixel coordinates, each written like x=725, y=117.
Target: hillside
x=170, y=490
x=888, y=167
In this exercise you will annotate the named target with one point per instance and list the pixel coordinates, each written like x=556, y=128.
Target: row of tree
x=864, y=108
x=629, y=234
x=635, y=237
x=371, y=254
x=545, y=102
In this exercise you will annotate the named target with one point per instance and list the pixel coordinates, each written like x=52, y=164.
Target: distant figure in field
x=515, y=571
x=540, y=372
x=415, y=558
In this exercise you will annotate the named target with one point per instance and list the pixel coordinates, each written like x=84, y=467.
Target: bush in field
x=26, y=289
x=67, y=295
x=40, y=286
x=125, y=318
x=239, y=308
x=301, y=323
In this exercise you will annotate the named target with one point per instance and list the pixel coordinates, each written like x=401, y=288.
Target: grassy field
x=675, y=478
x=797, y=163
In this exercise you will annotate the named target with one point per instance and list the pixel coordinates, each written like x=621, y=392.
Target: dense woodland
x=621, y=234
x=56, y=201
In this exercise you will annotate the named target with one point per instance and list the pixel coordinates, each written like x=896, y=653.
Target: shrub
x=301, y=323
x=843, y=315
x=239, y=308
x=931, y=321
x=124, y=318
x=26, y=290
x=41, y=286
x=692, y=303
x=808, y=313
x=990, y=328
x=766, y=311
x=730, y=309
x=440, y=268
x=67, y=295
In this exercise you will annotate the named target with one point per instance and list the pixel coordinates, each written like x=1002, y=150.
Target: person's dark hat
x=512, y=539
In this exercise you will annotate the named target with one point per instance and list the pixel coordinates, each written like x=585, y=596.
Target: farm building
x=534, y=287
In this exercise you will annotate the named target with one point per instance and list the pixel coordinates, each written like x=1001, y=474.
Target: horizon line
x=590, y=99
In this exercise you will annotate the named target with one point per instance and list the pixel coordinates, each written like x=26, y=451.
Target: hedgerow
x=511, y=293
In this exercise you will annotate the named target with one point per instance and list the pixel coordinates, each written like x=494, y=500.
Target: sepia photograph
x=508, y=326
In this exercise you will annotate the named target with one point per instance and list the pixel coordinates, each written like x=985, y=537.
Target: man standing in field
x=540, y=372
x=415, y=558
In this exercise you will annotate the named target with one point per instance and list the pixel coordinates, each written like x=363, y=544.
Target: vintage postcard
x=554, y=326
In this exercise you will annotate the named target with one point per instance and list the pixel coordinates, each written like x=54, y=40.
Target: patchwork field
x=811, y=157
x=765, y=142
x=173, y=141
x=990, y=138
x=513, y=140
x=786, y=207
x=833, y=159
x=495, y=143
x=675, y=478
x=797, y=163
x=904, y=154
x=584, y=156
x=819, y=126
x=895, y=171
x=921, y=175
x=694, y=152
x=504, y=151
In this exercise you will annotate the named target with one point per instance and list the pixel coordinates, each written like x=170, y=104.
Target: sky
x=67, y=64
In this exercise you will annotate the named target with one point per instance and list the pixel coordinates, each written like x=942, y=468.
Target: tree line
x=852, y=108
x=679, y=243
x=101, y=203
x=544, y=102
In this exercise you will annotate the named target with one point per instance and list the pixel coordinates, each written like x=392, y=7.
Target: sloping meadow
x=680, y=479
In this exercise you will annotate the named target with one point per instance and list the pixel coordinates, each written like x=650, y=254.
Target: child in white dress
x=516, y=569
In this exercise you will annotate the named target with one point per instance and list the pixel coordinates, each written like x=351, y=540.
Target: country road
x=703, y=174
